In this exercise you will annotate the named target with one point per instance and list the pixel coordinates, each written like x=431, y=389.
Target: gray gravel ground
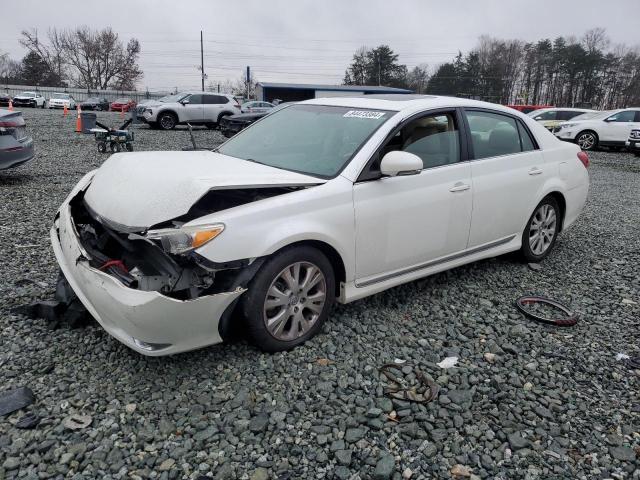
x=549, y=403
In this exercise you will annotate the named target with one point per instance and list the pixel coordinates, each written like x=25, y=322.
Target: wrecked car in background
x=329, y=199
x=16, y=147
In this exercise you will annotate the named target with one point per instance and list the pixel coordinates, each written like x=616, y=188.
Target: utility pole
x=202, y=60
x=248, y=81
x=378, y=70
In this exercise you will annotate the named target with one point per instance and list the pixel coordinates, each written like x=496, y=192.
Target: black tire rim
x=569, y=319
x=167, y=122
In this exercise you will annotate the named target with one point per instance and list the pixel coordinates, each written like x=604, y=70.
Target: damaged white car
x=329, y=199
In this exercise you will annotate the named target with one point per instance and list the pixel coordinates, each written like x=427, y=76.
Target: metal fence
x=81, y=93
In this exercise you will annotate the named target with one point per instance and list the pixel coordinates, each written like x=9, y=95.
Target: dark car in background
x=232, y=124
x=16, y=147
x=95, y=103
x=122, y=105
x=4, y=100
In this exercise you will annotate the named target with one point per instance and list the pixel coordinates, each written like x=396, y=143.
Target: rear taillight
x=584, y=158
x=11, y=124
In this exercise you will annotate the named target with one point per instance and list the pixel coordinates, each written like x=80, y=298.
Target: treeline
x=564, y=72
x=81, y=57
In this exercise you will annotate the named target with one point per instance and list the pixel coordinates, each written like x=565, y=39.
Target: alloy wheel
x=167, y=122
x=542, y=230
x=294, y=301
x=587, y=141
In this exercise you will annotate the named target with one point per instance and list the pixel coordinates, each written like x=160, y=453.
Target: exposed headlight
x=182, y=240
x=148, y=110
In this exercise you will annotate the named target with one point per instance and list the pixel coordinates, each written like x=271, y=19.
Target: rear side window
x=216, y=99
x=494, y=134
x=568, y=114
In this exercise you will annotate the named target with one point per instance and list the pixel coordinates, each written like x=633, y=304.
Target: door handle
x=535, y=171
x=460, y=187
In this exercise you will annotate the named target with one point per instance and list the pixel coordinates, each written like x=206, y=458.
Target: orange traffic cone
x=122, y=112
x=79, y=121
x=10, y=105
x=65, y=110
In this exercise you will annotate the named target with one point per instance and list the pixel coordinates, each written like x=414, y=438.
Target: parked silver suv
x=196, y=108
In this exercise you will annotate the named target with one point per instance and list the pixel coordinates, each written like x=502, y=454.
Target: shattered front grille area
x=138, y=262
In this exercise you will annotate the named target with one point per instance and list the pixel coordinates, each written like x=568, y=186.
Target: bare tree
x=91, y=59
x=51, y=52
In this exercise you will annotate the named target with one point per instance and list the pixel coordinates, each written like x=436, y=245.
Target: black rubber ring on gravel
x=571, y=317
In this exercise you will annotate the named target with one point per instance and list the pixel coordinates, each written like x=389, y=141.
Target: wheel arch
x=224, y=113
x=339, y=270
x=562, y=203
x=588, y=130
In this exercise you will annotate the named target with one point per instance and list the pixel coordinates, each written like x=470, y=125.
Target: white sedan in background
x=330, y=199
x=60, y=100
x=600, y=129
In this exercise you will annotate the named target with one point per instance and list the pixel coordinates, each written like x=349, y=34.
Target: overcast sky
x=309, y=40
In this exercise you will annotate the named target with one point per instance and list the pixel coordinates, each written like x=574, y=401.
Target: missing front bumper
x=137, y=318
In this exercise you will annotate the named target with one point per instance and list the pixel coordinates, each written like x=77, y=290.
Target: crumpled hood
x=137, y=190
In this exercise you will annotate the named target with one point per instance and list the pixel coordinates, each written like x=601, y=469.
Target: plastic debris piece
x=324, y=362
x=622, y=356
x=460, y=471
x=448, y=362
x=77, y=422
x=15, y=399
x=399, y=361
x=30, y=420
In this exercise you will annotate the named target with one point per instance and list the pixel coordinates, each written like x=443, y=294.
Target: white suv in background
x=600, y=129
x=196, y=108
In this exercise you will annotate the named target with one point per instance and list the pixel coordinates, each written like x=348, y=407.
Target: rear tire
x=289, y=299
x=587, y=140
x=167, y=121
x=540, y=235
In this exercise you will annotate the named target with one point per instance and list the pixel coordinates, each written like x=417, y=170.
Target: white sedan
x=60, y=100
x=331, y=199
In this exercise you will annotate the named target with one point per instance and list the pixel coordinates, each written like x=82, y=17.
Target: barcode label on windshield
x=364, y=114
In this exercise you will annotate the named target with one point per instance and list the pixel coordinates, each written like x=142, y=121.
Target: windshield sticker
x=364, y=114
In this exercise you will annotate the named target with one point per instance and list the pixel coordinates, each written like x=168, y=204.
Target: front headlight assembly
x=568, y=125
x=179, y=241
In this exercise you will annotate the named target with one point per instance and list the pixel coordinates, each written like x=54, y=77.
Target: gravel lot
x=524, y=401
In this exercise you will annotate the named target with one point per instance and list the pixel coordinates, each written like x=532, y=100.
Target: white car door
x=403, y=222
x=192, y=109
x=616, y=127
x=508, y=171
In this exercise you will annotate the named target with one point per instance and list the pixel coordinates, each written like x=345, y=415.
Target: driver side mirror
x=184, y=102
x=398, y=163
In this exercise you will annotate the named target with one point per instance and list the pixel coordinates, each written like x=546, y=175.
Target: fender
x=225, y=112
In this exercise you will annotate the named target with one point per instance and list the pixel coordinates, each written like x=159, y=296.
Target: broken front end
x=149, y=289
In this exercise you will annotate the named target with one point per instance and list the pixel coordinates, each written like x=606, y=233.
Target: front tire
x=587, y=140
x=541, y=233
x=289, y=299
x=167, y=121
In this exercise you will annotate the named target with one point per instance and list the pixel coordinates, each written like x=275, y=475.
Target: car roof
x=408, y=102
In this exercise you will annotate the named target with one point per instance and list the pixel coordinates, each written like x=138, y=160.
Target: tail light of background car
x=584, y=158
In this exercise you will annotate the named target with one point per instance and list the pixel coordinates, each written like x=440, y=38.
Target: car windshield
x=60, y=96
x=317, y=140
x=173, y=98
x=27, y=94
x=121, y=100
x=92, y=99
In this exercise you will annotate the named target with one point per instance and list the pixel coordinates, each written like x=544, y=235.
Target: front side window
x=195, y=99
x=318, y=140
x=493, y=134
x=546, y=116
x=433, y=138
x=626, y=116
